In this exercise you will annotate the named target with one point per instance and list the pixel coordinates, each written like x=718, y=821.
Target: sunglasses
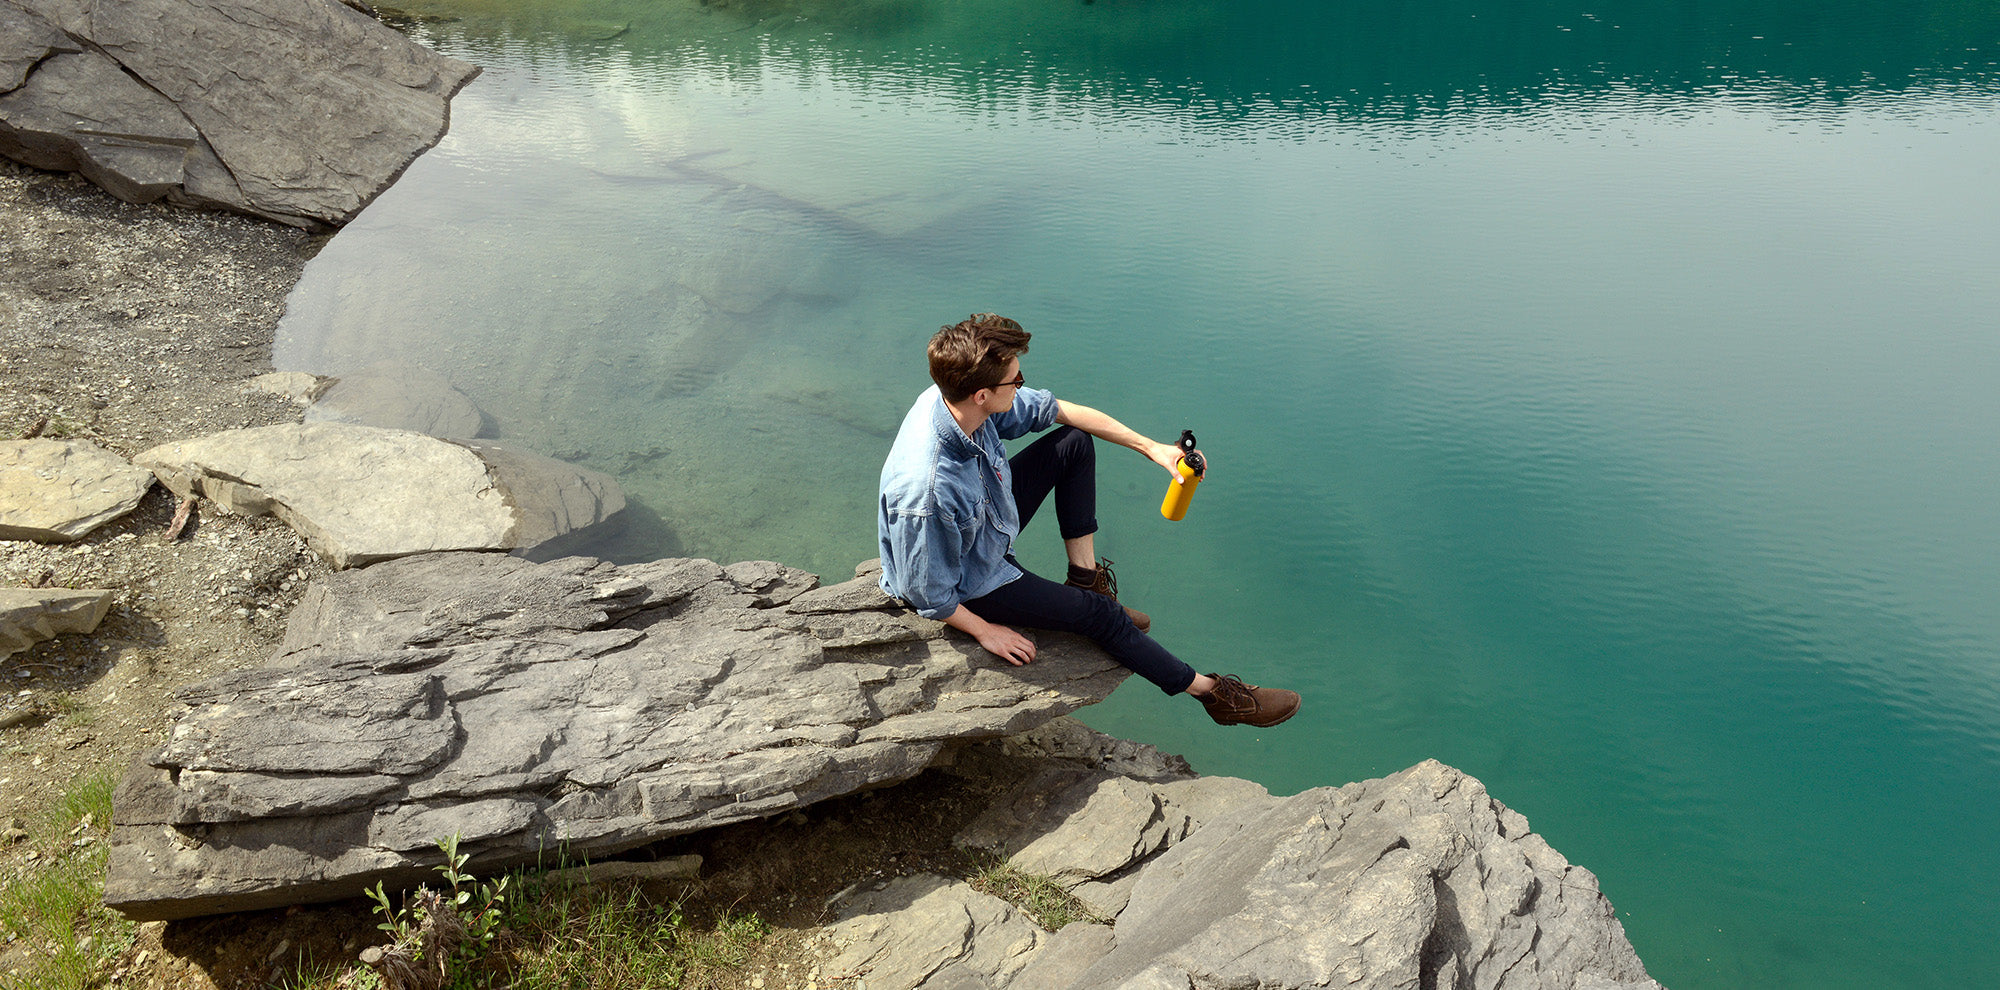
x=1019, y=380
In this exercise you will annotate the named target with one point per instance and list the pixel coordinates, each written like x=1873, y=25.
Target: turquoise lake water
x=1602, y=398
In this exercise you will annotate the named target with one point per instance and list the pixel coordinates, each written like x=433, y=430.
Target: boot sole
x=1266, y=725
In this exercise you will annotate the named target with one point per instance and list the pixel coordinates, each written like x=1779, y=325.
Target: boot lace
x=1230, y=690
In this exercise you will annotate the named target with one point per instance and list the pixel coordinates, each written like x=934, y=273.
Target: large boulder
x=55, y=491
x=1417, y=880
x=31, y=615
x=360, y=494
x=78, y=111
x=301, y=111
x=528, y=708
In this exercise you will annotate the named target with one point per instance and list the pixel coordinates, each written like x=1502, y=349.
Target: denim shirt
x=947, y=518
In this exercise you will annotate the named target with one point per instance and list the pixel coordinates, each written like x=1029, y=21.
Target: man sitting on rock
x=952, y=503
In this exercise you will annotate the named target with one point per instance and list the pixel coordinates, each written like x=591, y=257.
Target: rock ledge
x=529, y=707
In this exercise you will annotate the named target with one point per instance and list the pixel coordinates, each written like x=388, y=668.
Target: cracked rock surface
x=528, y=707
x=1416, y=880
x=299, y=111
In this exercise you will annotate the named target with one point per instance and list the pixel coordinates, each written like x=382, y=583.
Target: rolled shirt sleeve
x=1033, y=411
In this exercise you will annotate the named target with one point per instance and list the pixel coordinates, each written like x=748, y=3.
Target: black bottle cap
x=1194, y=460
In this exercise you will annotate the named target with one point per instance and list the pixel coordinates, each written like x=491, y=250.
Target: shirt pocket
x=977, y=521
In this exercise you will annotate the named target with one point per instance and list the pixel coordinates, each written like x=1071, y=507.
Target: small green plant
x=61, y=427
x=481, y=914
x=446, y=933
x=1041, y=898
x=72, y=710
x=53, y=911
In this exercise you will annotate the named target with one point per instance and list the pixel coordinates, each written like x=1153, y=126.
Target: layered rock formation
x=301, y=111
x=360, y=494
x=1417, y=880
x=533, y=707
x=590, y=708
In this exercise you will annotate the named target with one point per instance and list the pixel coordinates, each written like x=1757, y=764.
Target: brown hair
x=969, y=356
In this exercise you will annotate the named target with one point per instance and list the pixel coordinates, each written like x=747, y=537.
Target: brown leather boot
x=1105, y=583
x=1236, y=703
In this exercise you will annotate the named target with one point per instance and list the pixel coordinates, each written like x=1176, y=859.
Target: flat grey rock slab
x=530, y=707
x=32, y=615
x=547, y=498
x=1075, y=824
x=398, y=396
x=55, y=491
x=929, y=931
x=300, y=111
x=81, y=112
x=360, y=494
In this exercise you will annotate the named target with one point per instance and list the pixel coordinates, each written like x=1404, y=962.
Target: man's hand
x=1168, y=455
x=998, y=640
x=1007, y=644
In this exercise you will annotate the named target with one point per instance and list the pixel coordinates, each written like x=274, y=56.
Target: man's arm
x=1103, y=427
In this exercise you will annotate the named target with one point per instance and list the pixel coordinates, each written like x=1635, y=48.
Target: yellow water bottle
x=1191, y=467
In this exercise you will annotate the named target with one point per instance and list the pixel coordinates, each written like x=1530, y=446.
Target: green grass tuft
x=554, y=934
x=53, y=911
x=582, y=937
x=1041, y=898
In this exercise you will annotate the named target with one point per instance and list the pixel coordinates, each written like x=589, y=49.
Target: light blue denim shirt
x=947, y=518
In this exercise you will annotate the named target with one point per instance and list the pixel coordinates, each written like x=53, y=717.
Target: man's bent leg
x=1063, y=461
x=1039, y=603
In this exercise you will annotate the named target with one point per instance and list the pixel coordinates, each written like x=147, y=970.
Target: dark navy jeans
x=1065, y=462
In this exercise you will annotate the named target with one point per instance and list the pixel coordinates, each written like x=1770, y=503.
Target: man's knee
x=1075, y=447
x=1104, y=620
